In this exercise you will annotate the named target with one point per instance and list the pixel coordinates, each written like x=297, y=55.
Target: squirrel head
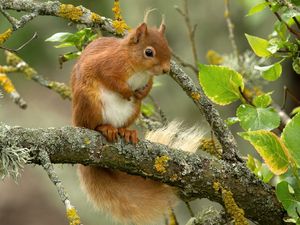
x=148, y=49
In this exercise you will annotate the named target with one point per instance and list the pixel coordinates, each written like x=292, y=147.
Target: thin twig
x=191, y=31
x=184, y=63
x=230, y=27
x=296, y=22
x=10, y=18
x=192, y=214
x=48, y=167
x=22, y=46
x=291, y=30
x=163, y=117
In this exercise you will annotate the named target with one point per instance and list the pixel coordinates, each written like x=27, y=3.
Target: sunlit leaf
x=257, y=8
x=252, y=118
x=263, y=100
x=221, y=84
x=59, y=37
x=291, y=137
x=258, y=45
x=270, y=148
x=271, y=72
x=289, y=201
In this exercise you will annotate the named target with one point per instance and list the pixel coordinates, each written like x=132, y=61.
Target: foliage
x=256, y=113
x=78, y=40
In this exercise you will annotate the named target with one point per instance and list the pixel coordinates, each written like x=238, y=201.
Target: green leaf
x=71, y=55
x=265, y=173
x=221, y=84
x=290, y=137
x=64, y=45
x=288, y=200
x=296, y=65
x=59, y=37
x=270, y=73
x=231, y=120
x=270, y=148
x=257, y=8
x=295, y=110
x=259, y=169
x=252, y=118
x=259, y=45
x=148, y=109
x=263, y=100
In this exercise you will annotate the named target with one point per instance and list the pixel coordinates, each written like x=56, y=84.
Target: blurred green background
x=34, y=199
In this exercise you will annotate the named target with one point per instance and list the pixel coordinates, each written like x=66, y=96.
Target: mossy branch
x=193, y=174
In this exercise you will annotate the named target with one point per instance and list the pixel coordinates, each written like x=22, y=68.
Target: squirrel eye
x=149, y=52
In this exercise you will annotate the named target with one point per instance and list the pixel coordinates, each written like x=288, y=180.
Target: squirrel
x=109, y=81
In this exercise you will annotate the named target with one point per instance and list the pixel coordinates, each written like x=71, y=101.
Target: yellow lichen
x=161, y=162
x=119, y=24
x=73, y=217
x=4, y=36
x=211, y=146
x=7, y=69
x=195, y=95
x=172, y=218
x=174, y=177
x=19, y=64
x=70, y=12
x=60, y=88
x=87, y=141
x=6, y=83
x=96, y=18
x=214, y=58
x=231, y=207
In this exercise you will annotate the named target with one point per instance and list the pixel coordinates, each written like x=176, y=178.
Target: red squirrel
x=109, y=81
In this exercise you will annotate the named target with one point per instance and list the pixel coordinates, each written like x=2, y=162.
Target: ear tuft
x=140, y=31
x=162, y=28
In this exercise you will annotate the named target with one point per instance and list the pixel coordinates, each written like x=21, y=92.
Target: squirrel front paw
x=141, y=92
x=127, y=94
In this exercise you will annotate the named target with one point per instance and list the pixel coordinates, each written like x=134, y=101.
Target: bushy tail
x=133, y=199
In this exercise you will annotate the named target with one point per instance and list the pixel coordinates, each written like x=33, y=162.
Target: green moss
x=161, y=162
x=70, y=12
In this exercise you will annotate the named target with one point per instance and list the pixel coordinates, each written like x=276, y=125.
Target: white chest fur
x=115, y=109
x=138, y=80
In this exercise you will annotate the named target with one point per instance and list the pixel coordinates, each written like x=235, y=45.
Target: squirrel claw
x=130, y=136
x=109, y=132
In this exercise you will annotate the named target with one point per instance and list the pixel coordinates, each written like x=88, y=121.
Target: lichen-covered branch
x=76, y=14
x=193, y=174
x=81, y=15
x=16, y=64
x=222, y=132
x=71, y=212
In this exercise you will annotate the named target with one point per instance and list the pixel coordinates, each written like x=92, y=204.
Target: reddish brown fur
x=109, y=62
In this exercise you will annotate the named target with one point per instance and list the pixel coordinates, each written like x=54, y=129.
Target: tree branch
x=220, y=129
x=222, y=132
x=193, y=174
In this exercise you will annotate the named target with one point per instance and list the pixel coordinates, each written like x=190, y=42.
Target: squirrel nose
x=166, y=69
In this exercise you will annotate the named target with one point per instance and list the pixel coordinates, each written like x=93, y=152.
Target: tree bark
x=193, y=174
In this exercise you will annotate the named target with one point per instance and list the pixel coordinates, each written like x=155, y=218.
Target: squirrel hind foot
x=109, y=132
x=130, y=136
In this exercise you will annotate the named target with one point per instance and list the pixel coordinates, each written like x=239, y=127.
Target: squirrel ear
x=139, y=32
x=162, y=28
